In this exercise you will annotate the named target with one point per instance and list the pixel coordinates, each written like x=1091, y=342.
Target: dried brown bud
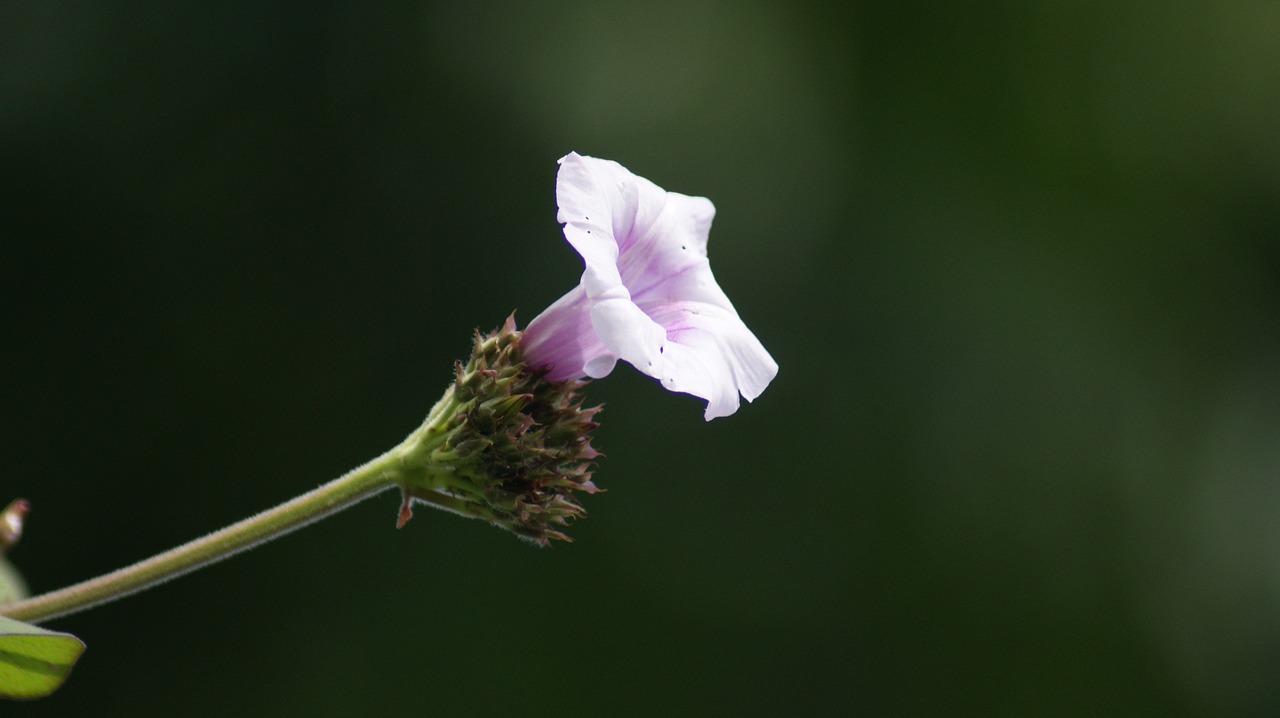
x=503, y=445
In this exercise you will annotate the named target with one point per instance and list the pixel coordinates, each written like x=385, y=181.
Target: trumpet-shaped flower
x=647, y=295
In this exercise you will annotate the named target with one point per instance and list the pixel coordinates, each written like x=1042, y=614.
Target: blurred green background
x=1019, y=264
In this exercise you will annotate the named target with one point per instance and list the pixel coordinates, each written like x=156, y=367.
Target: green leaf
x=33, y=661
x=12, y=587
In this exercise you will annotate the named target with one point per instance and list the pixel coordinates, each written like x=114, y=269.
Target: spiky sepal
x=503, y=445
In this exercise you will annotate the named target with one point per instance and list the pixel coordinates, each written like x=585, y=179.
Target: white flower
x=647, y=295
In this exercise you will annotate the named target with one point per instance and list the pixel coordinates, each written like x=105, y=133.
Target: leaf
x=33, y=661
x=12, y=587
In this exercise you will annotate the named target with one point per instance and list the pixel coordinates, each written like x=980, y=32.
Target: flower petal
x=562, y=340
x=627, y=331
x=710, y=353
x=603, y=206
x=600, y=203
x=673, y=243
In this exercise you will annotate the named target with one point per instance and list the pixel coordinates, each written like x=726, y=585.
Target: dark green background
x=1018, y=262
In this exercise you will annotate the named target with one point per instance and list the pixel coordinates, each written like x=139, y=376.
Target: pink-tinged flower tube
x=647, y=295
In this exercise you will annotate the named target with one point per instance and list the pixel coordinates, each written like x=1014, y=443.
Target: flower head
x=647, y=295
x=503, y=445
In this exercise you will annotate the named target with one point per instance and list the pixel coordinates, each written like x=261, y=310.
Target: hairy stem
x=361, y=483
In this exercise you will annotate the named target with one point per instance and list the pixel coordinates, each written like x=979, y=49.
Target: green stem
x=374, y=477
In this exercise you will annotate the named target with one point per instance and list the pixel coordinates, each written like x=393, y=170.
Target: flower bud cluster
x=503, y=444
